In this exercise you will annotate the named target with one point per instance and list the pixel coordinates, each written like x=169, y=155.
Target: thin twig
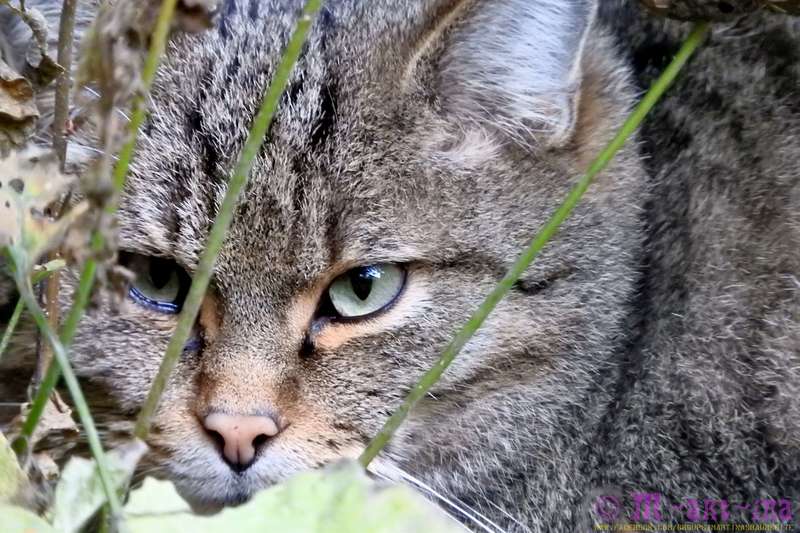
x=17, y=313
x=430, y=378
x=241, y=174
x=66, y=30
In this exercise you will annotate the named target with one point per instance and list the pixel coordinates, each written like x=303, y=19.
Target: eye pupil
x=361, y=281
x=160, y=273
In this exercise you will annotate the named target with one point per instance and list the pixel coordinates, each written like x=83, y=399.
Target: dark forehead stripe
x=323, y=126
x=226, y=14
x=205, y=145
x=326, y=20
x=325, y=122
x=253, y=11
x=197, y=130
x=313, y=89
x=322, y=122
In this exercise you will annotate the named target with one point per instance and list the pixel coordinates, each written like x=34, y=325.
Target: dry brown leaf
x=43, y=68
x=18, y=112
x=56, y=419
x=40, y=68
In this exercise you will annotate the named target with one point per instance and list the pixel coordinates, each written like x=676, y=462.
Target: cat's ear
x=514, y=65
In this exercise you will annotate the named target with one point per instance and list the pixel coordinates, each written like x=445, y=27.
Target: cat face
x=413, y=156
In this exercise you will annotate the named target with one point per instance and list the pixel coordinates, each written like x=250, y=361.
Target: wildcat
x=653, y=347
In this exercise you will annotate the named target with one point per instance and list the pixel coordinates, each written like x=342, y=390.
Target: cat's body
x=654, y=347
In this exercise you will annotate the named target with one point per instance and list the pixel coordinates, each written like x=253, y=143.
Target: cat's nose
x=240, y=437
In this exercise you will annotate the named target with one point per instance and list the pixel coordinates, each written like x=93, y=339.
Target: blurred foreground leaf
x=11, y=476
x=338, y=499
x=19, y=520
x=80, y=494
x=30, y=181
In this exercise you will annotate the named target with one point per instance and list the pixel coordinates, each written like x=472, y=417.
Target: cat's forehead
x=203, y=106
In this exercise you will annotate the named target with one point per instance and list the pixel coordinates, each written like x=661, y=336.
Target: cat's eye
x=366, y=290
x=160, y=284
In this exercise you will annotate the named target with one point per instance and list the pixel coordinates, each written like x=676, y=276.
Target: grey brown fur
x=653, y=347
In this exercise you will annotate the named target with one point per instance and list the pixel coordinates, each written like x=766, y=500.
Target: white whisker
x=508, y=515
x=89, y=148
x=394, y=474
x=118, y=110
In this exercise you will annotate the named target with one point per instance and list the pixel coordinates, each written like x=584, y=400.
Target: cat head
x=417, y=149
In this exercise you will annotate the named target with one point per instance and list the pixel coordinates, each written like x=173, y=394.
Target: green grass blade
x=430, y=378
x=18, y=309
x=53, y=373
x=12, y=324
x=216, y=237
x=60, y=353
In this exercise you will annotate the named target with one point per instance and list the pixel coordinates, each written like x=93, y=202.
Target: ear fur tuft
x=515, y=65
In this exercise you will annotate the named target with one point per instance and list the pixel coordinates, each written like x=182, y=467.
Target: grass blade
x=12, y=324
x=53, y=373
x=20, y=306
x=60, y=353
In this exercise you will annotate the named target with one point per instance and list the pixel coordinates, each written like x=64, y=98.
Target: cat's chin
x=204, y=508
x=210, y=496
x=211, y=504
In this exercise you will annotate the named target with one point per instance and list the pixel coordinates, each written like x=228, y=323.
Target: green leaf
x=19, y=520
x=51, y=266
x=80, y=493
x=338, y=499
x=11, y=476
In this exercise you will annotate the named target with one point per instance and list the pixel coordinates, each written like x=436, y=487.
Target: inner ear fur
x=512, y=66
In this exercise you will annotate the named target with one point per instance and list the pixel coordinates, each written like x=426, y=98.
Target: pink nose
x=240, y=436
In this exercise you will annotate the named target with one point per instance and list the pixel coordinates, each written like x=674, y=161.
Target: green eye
x=160, y=284
x=366, y=290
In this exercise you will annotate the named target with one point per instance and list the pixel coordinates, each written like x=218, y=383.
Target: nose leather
x=241, y=435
